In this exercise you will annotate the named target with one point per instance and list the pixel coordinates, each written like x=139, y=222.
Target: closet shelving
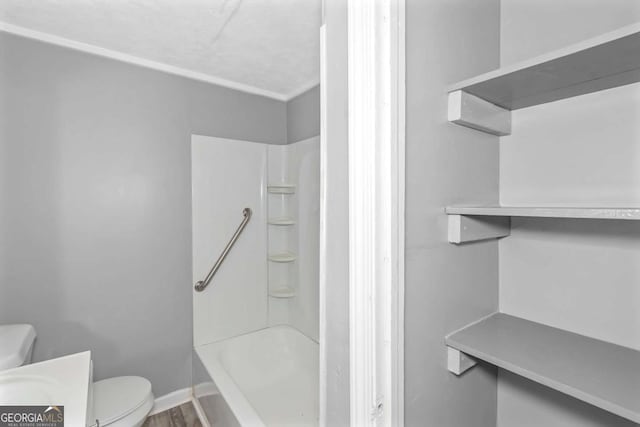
x=547, y=212
x=597, y=372
x=473, y=223
x=484, y=102
x=602, y=374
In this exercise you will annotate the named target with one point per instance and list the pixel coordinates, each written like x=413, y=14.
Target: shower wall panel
x=229, y=175
x=296, y=164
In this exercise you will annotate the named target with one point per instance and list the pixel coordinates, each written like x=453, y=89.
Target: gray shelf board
x=602, y=374
x=600, y=63
x=547, y=212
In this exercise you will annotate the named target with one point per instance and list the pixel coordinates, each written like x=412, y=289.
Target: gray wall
x=303, y=116
x=446, y=286
x=96, y=203
x=578, y=275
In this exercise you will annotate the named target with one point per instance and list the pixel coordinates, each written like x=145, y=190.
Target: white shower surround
x=297, y=164
x=238, y=326
x=227, y=176
x=267, y=378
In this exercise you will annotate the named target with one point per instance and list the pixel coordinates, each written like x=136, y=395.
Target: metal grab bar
x=201, y=285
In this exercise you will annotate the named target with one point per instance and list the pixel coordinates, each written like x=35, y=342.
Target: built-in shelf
x=474, y=223
x=547, y=212
x=484, y=102
x=281, y=189
x=282, y=257
x=281, y=221
x=599, y=63
x=282, y=292
x=600, y=373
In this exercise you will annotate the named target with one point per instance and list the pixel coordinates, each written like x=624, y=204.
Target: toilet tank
x=16, y=345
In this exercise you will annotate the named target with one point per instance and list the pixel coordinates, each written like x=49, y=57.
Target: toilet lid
x=115, y=398
x=15, y=342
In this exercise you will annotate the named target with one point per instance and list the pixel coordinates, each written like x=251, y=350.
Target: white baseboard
x=171, y=400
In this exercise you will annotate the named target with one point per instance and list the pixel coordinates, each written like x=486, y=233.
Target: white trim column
x=376, y=210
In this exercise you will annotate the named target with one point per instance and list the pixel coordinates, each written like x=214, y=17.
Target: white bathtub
x=267, y=378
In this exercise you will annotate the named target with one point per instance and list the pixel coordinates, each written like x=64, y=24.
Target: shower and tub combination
x=256, y=274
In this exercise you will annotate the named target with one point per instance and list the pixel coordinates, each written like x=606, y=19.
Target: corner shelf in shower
x=285, y=220
x=602, y=374
x=283, y=292
x=282, y=257
x=281, y=188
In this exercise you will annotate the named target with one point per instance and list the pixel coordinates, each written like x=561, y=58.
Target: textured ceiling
x=271, y=45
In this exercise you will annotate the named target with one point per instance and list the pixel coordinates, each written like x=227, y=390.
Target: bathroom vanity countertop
x=64, y=381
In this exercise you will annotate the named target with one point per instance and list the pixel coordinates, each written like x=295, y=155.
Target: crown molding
x=302, y=89
x=146, y=63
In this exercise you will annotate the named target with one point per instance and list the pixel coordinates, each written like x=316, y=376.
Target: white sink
x=64, y=381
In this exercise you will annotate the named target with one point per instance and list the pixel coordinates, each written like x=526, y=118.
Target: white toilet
x=117, y=402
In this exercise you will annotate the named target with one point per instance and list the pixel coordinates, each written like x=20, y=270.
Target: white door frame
x=376, y=210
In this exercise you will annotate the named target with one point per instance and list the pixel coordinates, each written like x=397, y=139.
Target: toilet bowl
x=117, y=402
x=121, y=402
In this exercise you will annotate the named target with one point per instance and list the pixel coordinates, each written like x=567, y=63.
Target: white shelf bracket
x=458, y=362
x=464, y=229
x=476, y=113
